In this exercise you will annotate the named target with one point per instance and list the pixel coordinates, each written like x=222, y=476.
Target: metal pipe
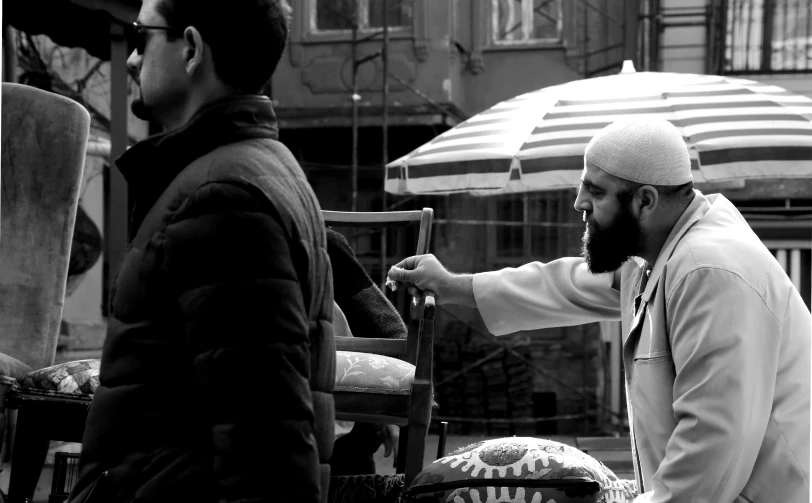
x=354, y=97
x=9, y=55
x=117, y=218
x=443, y=432
x=384, y=135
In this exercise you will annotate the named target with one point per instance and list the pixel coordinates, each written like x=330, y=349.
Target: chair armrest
x=424, y=307
x=429, y=305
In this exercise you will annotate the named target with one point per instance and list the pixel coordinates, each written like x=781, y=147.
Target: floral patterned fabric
x=535, y=471
x=77, y=378
x=368, y=373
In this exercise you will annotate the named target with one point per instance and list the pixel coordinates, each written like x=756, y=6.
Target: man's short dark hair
x=669, y=192
x=246, y=37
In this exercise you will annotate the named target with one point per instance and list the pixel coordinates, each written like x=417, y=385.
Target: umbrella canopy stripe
x=537, y=140
x=681, y=123
x=469, y=147
x=476, y=167
x=803, y=129
x=710, y=135
x=766, y=153
x=571, y=162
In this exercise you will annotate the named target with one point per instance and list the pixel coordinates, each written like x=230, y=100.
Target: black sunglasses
x=137, y=35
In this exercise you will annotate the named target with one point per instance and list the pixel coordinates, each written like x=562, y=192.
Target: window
x=339, y=15
x=763, y=36
x=535, y=226
x=510, y=239
x=526, y=21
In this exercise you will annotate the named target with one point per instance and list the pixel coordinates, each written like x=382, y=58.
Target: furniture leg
x=30, y=450
x=416, y=450
x=403, y=449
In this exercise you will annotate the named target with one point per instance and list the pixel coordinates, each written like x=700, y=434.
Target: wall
x=452, y=59
x=683, y=37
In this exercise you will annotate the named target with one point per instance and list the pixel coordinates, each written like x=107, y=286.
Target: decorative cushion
x=77, y=378
x=368, y=373
x=519, y=470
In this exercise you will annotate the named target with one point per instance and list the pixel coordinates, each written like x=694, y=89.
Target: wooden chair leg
x=416, y=447
x=5, y=387
x=28, y=458
x=403, y=449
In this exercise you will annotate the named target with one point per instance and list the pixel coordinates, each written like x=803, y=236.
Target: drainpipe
x=384, y=135
x=9, y=55
x=630, y=29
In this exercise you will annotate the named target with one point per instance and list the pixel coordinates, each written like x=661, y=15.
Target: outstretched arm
x=560, y=293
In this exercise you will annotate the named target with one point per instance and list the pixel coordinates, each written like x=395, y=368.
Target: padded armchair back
x=44, y=138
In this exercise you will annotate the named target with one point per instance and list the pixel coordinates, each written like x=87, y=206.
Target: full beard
x=607, y=248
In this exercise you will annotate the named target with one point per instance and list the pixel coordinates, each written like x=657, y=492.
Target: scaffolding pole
x=354, y=97
x=384, y=135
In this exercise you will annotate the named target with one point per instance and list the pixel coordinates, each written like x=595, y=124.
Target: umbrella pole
x=384, y=134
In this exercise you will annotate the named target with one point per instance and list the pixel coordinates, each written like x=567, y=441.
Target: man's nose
x=581, y=202
x=133, y=62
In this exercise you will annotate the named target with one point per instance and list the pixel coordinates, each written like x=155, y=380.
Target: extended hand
x=425, y=272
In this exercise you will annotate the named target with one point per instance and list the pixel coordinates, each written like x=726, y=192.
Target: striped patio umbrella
x=735, y=129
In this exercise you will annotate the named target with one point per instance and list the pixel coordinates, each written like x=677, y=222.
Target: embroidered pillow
x=519, y=470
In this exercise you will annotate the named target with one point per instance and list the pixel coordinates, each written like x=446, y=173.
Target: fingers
x=408, y=263
x=402, y=275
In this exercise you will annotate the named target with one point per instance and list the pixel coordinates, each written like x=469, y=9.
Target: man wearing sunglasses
x=222, y=305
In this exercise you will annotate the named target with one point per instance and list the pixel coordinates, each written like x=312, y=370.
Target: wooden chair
x=411, y=410
x=44, y=138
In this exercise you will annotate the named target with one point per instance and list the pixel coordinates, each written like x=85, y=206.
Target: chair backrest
x=44, y=138
x=406, y=350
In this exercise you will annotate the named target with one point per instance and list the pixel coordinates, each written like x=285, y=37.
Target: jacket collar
x=150, y=165
x=696, y=210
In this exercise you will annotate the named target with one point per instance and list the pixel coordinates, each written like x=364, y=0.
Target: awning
x=369, y=116
x=72, y=23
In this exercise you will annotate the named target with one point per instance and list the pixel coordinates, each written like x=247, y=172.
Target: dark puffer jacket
x=219, y=345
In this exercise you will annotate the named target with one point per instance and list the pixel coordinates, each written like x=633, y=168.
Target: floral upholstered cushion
x=519, y=470
x=77, y=378
x=368, y=373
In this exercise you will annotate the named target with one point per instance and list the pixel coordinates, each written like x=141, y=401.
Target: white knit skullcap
x=648, y=151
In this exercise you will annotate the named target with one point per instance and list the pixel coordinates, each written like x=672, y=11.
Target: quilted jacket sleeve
x=238, y=277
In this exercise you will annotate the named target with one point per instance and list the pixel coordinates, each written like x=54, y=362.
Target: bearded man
x=716, y=337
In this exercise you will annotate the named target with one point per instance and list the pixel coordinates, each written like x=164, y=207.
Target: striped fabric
x=735, y=128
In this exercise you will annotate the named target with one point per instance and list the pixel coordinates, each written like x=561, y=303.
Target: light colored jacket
x=716, y=356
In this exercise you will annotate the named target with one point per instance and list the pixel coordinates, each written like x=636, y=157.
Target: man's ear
x=194, y=51
x=646, y=201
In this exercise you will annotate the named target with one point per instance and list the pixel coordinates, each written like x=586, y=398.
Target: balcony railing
x=767, y=36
